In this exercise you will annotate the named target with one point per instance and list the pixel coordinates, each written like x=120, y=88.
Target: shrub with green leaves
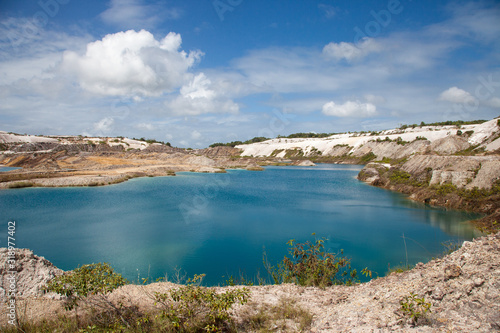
x=93, y=279
x=192, y=308
x=368, y=157
x=414, y=308
x=310, y=265
x=398, y=176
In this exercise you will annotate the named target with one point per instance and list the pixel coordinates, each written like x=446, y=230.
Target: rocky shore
x=469, y=183
x=463, y=289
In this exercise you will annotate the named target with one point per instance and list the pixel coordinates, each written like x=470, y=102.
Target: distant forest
x=446, y=123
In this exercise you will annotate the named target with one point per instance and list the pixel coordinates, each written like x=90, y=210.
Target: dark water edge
x=220, y=224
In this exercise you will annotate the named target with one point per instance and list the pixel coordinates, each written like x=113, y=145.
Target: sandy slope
x=355, y=140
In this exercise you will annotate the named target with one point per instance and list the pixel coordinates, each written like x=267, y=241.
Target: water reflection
x=453, y=222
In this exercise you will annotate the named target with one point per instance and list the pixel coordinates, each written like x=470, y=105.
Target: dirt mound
x=450, y=145
x=219, y=151
x=32, y=273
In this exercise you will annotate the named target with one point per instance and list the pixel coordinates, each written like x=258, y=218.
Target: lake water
x=219, y=224
x=5, y=169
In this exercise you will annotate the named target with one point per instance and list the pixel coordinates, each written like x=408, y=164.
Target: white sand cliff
x=326, y=146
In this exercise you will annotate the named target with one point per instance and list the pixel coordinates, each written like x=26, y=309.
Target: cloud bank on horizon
x=196, y=73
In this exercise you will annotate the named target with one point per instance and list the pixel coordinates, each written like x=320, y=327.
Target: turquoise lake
x=219, y=224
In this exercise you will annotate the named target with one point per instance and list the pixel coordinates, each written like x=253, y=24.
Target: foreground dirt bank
x=463, y=288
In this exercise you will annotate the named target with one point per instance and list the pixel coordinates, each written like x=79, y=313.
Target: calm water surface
x=219, y=224
x=5, y=169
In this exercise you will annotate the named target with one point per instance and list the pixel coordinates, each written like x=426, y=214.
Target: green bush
x=393, y=161
x=294, y=153
x=414, y=308
x=446, y=189
x=368, y=157
x=310, y=265
x=469, y=194
x=402, y=177
x=471, y=151
x=315, y=152
x=192, y=308
x=399, y=268
x=87, y=280
x=400, y=141
x=387, y=139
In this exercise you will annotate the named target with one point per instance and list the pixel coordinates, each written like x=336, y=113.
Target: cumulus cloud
x=349, y=109
x=201, y=96
x=104, y=125
x=131, y=64
x=129, y=14
x=456, y=95
x=351, y=51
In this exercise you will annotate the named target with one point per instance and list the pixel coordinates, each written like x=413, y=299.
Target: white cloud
x=146, y=126
x=35, y=55
x=201, y=96
x=477, y=20
x=349, y=109
x=456, y=95
x=199, y=87
x=374, y=99
x=131, y=64
x=134, y=14
x=104, y=125
x=351, y=51
x=195, y=135
x=494, y=102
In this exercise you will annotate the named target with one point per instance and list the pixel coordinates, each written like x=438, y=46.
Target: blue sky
x=198, y=72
